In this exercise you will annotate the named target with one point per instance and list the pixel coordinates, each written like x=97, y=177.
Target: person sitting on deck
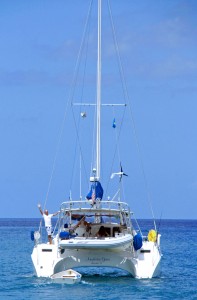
x=87, y=227
x=70, y=231
x=102, y=232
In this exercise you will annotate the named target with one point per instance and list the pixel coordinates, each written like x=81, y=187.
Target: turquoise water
x=178, y=279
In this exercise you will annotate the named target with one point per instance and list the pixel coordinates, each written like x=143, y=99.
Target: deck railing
x=103, y=205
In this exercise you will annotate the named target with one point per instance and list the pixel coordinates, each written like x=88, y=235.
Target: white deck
x=97, y=243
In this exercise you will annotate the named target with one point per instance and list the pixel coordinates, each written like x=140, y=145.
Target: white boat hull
x=143, y=263
x=68, y=277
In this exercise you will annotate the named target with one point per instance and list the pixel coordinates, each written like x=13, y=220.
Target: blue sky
x=39, y=43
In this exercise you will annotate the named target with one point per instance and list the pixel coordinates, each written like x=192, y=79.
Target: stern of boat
x=146, y=260
x=44, y=258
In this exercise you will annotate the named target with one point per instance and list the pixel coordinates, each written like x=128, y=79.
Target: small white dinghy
x=68, y=276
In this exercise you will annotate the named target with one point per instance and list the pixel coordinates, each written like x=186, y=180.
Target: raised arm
x=55, y=214
x=40, y=209
x=79, y=223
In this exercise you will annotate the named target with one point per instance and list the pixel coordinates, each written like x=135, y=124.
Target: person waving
x=47, y=220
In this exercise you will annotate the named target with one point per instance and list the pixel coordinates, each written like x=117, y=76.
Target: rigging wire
x=79, y=117
x=94, y=141
x=75, y=80
x=116, y=136
x=116, y=147
x=121, y=123
x=137, y=225
x=131, y=113
x=66, y=109
x=118, y=150
x=121, y=181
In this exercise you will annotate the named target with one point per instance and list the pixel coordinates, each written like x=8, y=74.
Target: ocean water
x=177, y=281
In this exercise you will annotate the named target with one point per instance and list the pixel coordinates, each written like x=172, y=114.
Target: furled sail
x=96, y=191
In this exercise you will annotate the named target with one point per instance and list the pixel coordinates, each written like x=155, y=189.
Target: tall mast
x=98, y=135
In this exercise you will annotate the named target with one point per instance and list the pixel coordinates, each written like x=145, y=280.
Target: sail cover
x=96, y=191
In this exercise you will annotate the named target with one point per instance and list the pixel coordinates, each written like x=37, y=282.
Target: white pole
x=98, y=146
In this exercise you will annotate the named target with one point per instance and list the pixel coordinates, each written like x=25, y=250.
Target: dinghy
x=69, y=277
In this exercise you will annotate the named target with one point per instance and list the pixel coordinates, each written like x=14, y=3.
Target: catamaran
x=98, y=231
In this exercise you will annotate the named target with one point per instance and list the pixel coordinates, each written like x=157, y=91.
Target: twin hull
x=143, y=263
